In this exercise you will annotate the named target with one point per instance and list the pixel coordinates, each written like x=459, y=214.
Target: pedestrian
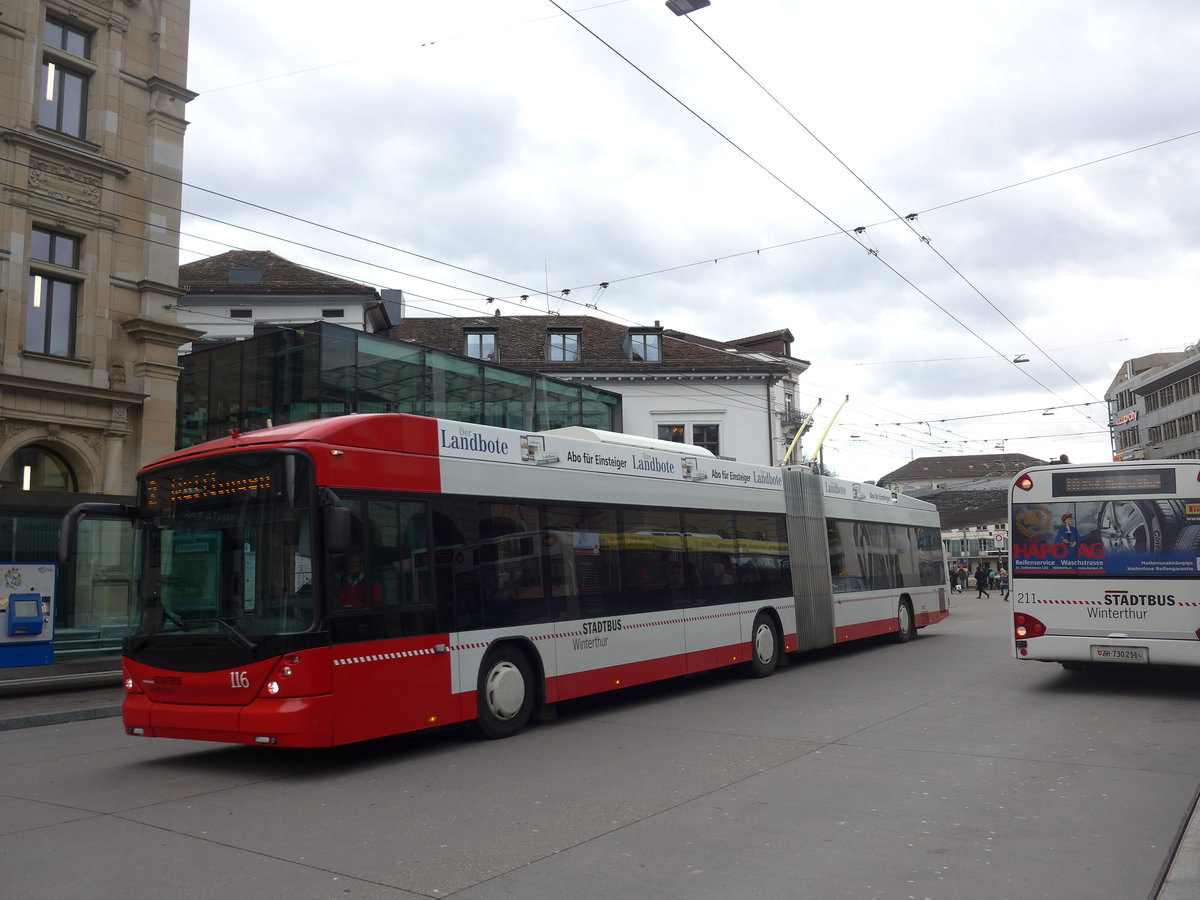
x=991, y=576
x=962, y=579
x=981, y=583
x=1003, y=579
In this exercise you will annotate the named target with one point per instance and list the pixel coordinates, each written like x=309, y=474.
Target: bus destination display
x=201, y=486
x=1112, y=482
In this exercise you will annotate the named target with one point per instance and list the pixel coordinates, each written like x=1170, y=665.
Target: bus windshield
x=227, y=547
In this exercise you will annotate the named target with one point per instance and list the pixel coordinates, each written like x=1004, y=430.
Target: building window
x=481, y=345
x=50, y=312
x=333, y=314
x=1128, y=437
x=241, y=314
x=645, y=346
x=244, y=276
x=62, y=101
x=708, y=437
x=673, y=433
x=35, y=468
x=562, y=346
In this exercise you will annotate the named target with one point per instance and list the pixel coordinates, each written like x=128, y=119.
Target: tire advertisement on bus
x=1117, y=536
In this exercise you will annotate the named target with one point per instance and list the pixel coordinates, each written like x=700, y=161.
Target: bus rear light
x=1025, y=483
x=272, y=687
x=131, y=686
x=1026, y=626
x=263, y=739
x=286, y=671
x=137, y=732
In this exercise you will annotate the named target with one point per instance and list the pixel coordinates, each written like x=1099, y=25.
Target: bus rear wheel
x=505, y=693
x=905, y=628
x=764, y=646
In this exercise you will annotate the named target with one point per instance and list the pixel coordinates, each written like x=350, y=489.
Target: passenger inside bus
x=355, y=588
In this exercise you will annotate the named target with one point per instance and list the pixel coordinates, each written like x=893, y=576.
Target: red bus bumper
x=284, y=722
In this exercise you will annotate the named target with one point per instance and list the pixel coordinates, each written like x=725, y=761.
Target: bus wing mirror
x=70, y=523
x=337, y=529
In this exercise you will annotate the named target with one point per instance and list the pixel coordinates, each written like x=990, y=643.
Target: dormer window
x=480, y=345
x=562, y=345
x=645, y=346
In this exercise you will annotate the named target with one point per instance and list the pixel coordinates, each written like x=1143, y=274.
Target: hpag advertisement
x=1107, y=537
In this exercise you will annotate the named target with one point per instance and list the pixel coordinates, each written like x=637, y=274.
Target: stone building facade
x=92, y=97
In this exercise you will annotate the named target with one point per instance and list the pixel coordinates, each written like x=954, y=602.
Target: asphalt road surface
x=941, y=768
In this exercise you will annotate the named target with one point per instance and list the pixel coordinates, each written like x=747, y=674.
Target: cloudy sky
x=751, y=167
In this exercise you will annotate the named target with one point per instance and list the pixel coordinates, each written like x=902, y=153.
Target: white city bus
x=1106, y=562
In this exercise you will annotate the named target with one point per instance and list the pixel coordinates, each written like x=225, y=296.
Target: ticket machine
x=26, y=614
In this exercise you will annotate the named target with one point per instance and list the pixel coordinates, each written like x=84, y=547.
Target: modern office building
x=1154, y=406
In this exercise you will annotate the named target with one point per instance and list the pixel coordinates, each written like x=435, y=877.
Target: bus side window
x=584, y=561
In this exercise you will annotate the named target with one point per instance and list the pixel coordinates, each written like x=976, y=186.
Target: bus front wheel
x=764, y=646
x=505, y=695
x=904, y=623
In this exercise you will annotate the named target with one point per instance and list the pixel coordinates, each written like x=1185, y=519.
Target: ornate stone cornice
x=69, y=155
x=13, y=384
x=146, y=286
x=153, y=331
x=170, y=88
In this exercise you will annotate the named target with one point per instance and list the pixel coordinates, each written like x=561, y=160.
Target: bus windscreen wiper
x=237, y=637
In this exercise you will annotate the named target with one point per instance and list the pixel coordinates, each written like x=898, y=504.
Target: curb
x=32, y=720
x=46, y=684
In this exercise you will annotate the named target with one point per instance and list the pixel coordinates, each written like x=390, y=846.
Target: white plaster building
x=735, y=398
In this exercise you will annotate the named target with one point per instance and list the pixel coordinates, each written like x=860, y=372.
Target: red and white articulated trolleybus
x=1105, y=562
x=343, y=579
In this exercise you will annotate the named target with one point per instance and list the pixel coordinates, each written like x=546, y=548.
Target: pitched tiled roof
x=963, y=509
x=522, y=344
x=778, y=341
x=981, y=466
x=278, y=276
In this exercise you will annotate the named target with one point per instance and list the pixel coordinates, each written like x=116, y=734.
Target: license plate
x=1121, y=654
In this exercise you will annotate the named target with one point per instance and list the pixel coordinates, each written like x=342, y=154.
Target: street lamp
x=683, y=7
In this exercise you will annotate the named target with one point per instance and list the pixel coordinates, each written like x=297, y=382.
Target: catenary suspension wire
x=906, y=220
x=801, y=197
